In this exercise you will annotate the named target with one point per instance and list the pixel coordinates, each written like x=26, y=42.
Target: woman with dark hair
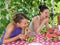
x=38, y=22
x=15, y=30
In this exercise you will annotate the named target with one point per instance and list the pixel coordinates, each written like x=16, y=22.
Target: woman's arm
x=38, y=27
x=20, y=36
x=9, y=30
x=47, y=24
x=42, y=24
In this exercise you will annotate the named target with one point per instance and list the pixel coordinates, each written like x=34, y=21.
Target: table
x=38, y=39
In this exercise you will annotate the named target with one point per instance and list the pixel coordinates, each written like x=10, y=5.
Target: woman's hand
x=47, y=23
x=29, y=29
x=26, y=36
x=21, y=36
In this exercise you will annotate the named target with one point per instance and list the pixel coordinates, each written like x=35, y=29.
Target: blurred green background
x=30, y=7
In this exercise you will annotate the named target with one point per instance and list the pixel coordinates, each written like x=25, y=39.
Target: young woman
x=15, y=30
x=38, y=22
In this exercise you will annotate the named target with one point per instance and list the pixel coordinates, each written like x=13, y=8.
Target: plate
x=35, y=43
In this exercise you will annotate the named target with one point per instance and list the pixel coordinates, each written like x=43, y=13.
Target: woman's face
x=45, y=13
x=23, y=24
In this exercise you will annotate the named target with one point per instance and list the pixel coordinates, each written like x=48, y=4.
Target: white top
x=32, y=26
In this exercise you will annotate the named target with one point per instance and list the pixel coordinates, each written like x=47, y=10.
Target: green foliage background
x=30, y=7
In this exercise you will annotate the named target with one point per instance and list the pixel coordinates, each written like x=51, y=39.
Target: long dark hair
x=42, y=8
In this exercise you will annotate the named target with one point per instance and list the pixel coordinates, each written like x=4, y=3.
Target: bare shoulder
x=10, y=26
x=35, y=19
